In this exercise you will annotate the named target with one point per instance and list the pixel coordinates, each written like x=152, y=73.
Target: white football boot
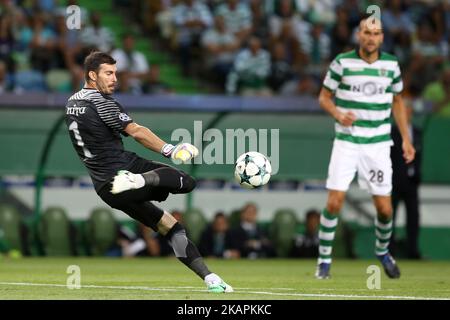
x=216, y=285
x=125, y=180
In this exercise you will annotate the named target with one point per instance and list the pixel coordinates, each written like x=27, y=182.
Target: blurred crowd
x=284, y=47
x=40, y=53
x=235, y=236
x=247, y=47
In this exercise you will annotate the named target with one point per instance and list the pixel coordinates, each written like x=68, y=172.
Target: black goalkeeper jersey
x=95, y=122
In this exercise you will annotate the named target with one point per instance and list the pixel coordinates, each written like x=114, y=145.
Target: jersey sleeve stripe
x=327, y=87
x=330, y=83
x=397, y=80
x=335, y=76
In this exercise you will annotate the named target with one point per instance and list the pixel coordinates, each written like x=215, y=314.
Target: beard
x=370, y=51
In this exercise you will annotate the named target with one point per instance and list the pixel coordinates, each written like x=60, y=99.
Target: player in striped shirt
x=121, y=178
x=366, y=85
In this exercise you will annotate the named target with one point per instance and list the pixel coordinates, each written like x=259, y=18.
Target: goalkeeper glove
x=182, y=151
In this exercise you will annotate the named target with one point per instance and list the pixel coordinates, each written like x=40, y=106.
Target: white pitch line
x=306, y=295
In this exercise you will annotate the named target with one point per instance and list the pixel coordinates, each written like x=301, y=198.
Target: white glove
x=182, y=151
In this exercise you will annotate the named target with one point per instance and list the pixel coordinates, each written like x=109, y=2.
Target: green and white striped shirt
x=366, y=89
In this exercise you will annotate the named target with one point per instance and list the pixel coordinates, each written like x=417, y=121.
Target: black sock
x=186, y=251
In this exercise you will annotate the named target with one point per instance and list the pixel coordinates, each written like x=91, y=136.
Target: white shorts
x=371, y=162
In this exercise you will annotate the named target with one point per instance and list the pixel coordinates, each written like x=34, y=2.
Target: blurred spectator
x=428, y=55
x=39, y=41
x=132, y=67
x=164, y=17
x=260, y=21
x=238, y=18
x=143, y=242
x=191, y=18
x=304, y=84
x=251, y=71
x=156, y=244
x=406, y=179
x=395, y=22
x=154, y=84
x=439, y=93
x=66, y=43
x=341, y=33
x=316, y=44
x=281, y=70
x=284, y=14
x=307, y=245
x=97, y=36
x=7, y=42
x=5, y=80
x=220, y=48
x=291, y=46
x=322, y=12
x=215, y=239
x=249, y=238
x=131, y=243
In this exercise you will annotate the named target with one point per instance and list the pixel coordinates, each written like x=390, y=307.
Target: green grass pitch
x=168, y=279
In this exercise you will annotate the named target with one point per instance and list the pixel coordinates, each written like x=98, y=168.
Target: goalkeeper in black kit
x=121, y=178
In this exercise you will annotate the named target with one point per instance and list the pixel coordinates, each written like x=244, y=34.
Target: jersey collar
x=357, y=53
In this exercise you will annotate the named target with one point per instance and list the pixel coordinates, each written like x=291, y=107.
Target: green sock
x=328, y=224
x=383, y=232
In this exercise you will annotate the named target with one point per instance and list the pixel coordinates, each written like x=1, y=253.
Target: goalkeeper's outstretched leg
x=168, y=178
x=163, y=222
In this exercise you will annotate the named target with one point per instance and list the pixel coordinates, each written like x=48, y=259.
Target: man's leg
x=395, y=198
x=328, y=224
x=186, y=251
x=164, y=223
x=383, y=232
x=168, y=178
x=412, y=223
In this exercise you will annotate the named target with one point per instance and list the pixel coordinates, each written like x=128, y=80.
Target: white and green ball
x=253, y=170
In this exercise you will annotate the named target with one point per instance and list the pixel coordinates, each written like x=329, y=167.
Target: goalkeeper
x=122, y=179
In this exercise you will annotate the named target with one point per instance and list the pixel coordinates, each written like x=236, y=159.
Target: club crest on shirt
x=124, y=117
x=383, y=72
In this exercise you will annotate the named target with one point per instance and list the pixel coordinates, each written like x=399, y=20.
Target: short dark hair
x=93, y=61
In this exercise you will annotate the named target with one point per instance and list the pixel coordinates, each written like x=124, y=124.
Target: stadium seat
x=58, y=80
x=30, y=81
x=282, y=231
x=12, y=229
x=195, y=222
x=56, y=233
x=101, y=231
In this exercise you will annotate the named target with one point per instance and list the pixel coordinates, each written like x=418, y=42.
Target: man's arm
x=399, y=112
x=145, y=136
x=326, y=103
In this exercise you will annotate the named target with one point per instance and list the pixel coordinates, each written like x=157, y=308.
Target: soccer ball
x=252, y=170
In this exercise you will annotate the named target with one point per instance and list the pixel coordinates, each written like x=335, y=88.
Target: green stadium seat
x=59, y=80
x=282, y=231
x=101, y=231
x=56, y=233
x=195, y=222
x=12, y=229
